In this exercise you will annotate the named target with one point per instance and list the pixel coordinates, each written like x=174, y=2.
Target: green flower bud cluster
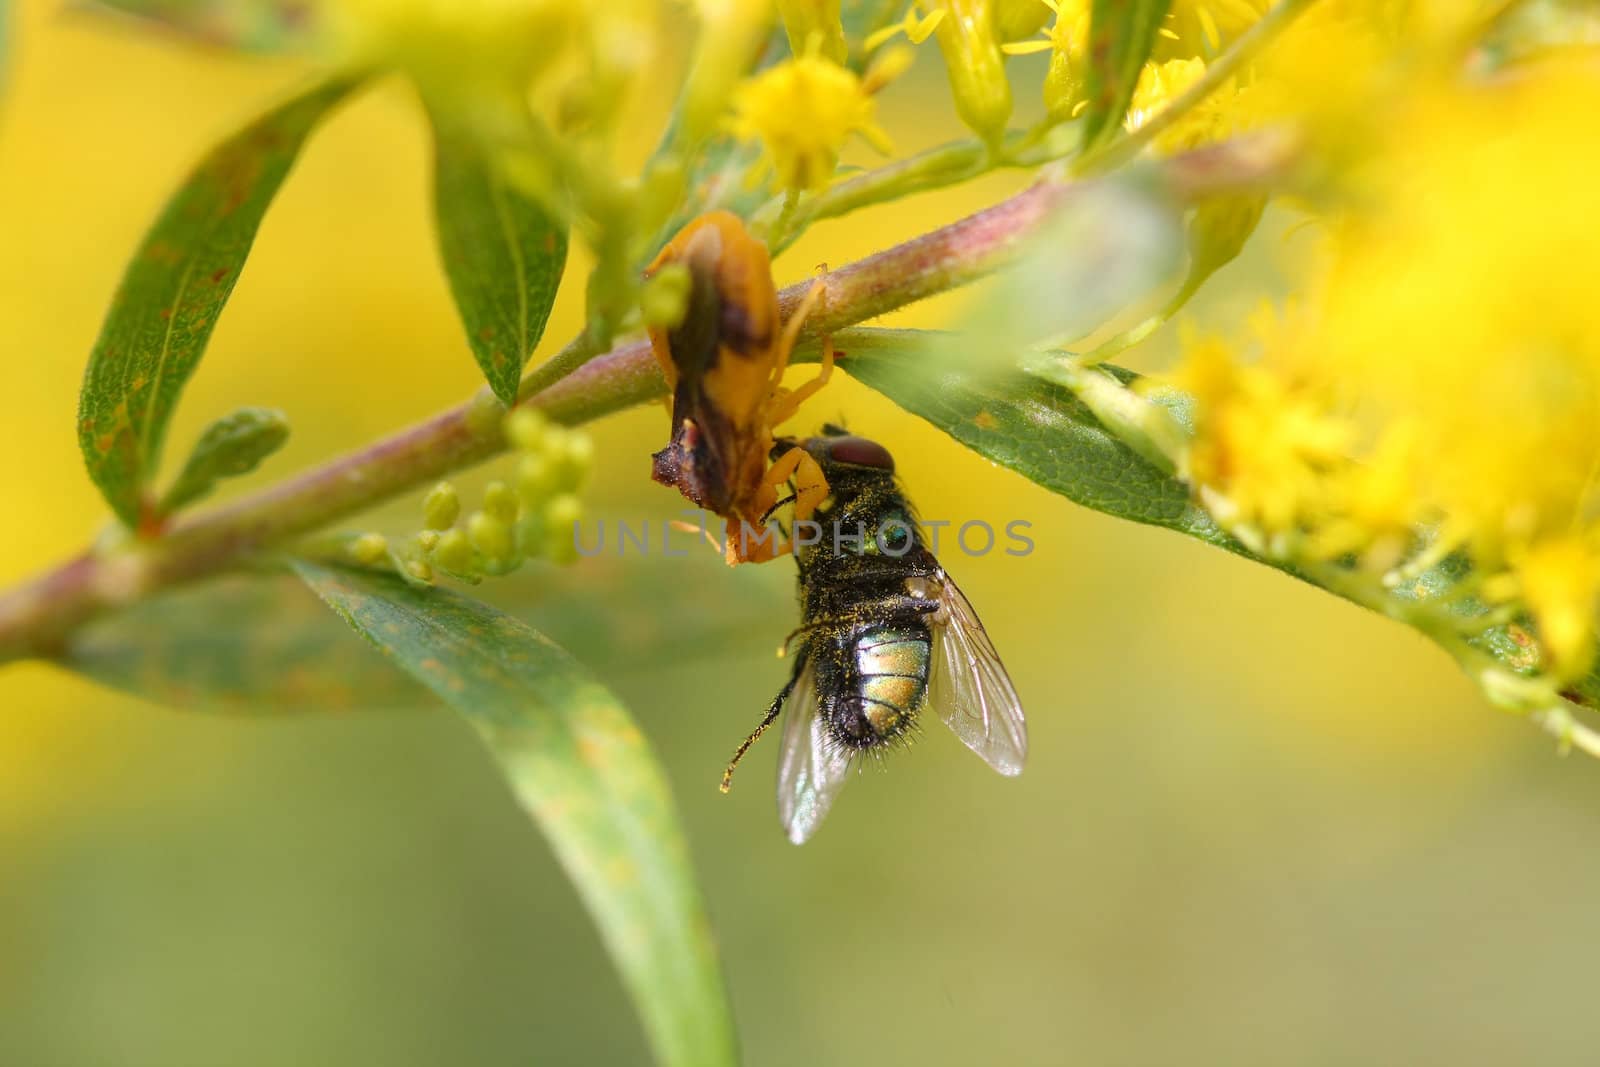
x=529, y=516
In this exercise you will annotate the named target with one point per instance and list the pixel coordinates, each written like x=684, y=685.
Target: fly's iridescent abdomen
x=875, y=678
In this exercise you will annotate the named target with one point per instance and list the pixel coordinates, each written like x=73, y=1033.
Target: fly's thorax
x=873, y=680
x=878, y=523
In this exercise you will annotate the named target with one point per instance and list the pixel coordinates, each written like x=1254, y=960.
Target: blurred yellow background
x=1258, y=825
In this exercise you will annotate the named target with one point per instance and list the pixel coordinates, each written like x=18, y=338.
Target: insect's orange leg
x=791, y=328
x=810, y=485
x=811, y=488
x=788, y=401
x=689, y=527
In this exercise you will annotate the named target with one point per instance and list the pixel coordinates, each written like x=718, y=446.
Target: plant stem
x=937, y=168
x=38, y=616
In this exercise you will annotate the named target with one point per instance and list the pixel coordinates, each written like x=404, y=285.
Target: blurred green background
x=1258, y=825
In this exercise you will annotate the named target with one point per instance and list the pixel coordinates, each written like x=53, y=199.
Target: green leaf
x=1035, y=427
x=233, y=445
x=503, y=253
x=245, y=25
x=252, y=644
x=262, y=644
x=1121, y=36
x=582, y=769
x=173, y=290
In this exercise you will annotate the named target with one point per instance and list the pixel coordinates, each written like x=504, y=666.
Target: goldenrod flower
x=1264, y=443
x=1558, y=580
x=803, y=110
x=1448, y=371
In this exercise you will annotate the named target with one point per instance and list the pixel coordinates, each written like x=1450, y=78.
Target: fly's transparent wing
x=811, y=768
x=970, y=688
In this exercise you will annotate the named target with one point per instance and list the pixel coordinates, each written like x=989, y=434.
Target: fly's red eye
x=860, y=452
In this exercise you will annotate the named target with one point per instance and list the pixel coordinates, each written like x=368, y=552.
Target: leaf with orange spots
x=1121, y=36
x=174, y=289
x=247, y=645
x=578, y=764
x=503, y=254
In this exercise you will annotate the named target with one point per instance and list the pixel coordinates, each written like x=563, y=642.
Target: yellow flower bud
x=419, y=570
x=731, y=32
x=441, y=507
x=1016, y=19
x=369, y=549
x=575, y=459
x=1064, y=85
x=976, y=67
x=1219, y=229
x=525, y=429
x=490, y=536
x=665, y=297
x=561, y=517
x=425, y=541
x=563, y=511
x=807, y=20
x=484, y=413
x=536, y=478
x=454, y=552
x=500, y=502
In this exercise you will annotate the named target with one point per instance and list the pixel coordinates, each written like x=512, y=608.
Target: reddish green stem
x=39, y=615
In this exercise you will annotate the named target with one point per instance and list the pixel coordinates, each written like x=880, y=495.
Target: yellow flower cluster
x=1446, y=372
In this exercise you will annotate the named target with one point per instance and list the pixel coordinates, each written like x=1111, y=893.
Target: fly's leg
x=766, y=720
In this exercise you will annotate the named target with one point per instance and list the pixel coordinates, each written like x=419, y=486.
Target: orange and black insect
x=724, y=363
